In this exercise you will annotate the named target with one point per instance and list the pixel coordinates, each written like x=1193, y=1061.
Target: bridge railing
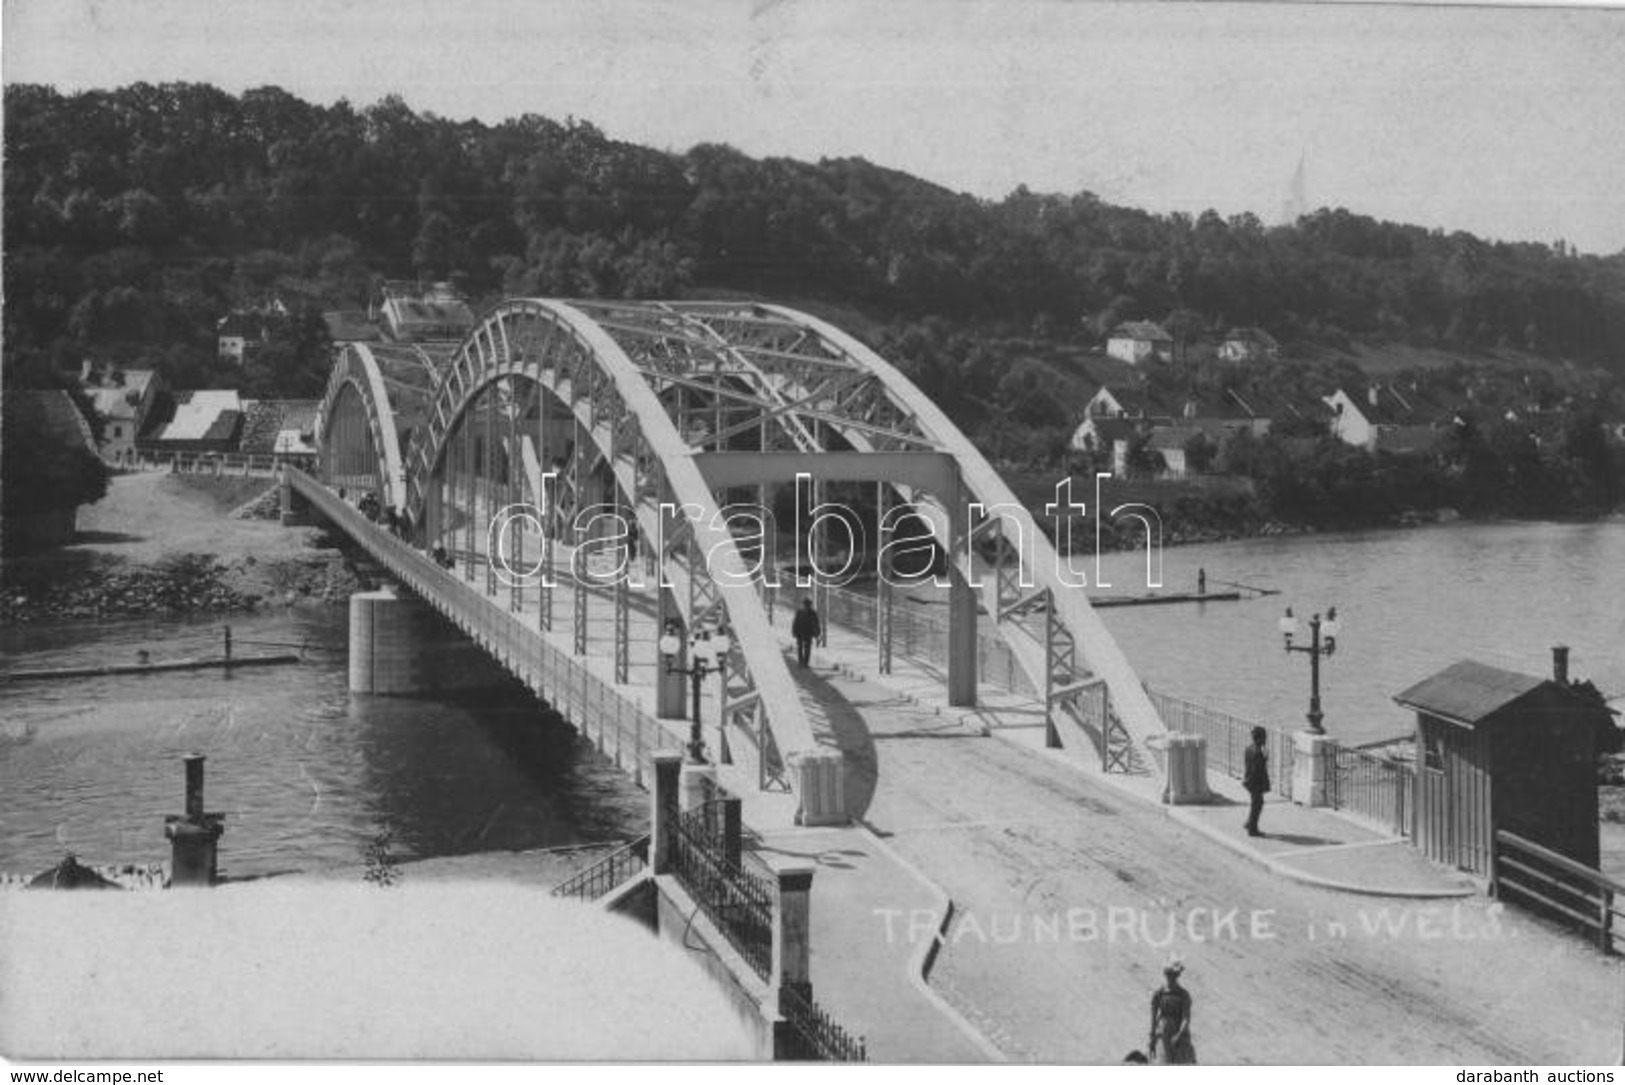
x=921, y=635
x=1372, y=787
x=621, y=728
x=608, y=873
x=1227, y=738
x=738, y=901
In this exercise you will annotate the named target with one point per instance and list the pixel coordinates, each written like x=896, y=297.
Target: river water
x=306, y=773
x=1410, y=601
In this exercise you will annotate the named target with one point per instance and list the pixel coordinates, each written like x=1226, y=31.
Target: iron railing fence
x=609, y=873
x=1227, y=738
x=738, y=901
x=1557, y=887
x=1373, y=787
x=620, y=728
x=811, y=1035
x=255, y=465
x=921, y=635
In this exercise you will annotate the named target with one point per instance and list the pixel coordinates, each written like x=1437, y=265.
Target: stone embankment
x=181, y=584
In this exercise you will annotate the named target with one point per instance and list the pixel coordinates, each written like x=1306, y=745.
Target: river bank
x=170, y=544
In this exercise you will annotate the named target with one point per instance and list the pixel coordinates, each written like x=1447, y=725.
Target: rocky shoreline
x=178, y=584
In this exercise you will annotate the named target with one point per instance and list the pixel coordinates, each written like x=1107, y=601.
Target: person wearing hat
x=1171, y=1019
x=1256, y=779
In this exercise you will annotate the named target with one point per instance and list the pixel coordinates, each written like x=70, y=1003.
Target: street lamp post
x=707, y=651
x=1322, y=642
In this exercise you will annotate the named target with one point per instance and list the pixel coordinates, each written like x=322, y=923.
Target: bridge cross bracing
x=631, y=434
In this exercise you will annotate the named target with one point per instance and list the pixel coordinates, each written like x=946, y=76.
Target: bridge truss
x=690, y=423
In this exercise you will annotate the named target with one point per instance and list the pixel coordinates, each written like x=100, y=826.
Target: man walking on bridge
x=805, y=629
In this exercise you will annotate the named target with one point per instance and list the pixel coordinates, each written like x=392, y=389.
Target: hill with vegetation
x=135, y=218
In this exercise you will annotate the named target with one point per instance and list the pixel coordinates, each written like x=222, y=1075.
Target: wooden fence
x=1558, y=887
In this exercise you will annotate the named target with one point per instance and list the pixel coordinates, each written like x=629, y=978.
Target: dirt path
x=148, y=516
x=1062, y=886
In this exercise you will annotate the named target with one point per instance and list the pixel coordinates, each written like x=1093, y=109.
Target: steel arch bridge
x=667, y=431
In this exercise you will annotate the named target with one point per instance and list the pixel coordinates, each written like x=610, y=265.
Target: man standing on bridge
x=1255, y=777
x=805, y=629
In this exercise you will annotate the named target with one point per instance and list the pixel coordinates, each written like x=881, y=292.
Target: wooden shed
x=1497, y=750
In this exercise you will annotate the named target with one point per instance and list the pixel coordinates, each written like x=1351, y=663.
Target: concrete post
x=733, y=834
x=792, y=929
x=663, y=811
x=699, y=784
x=1313, y=757
x=194, y=835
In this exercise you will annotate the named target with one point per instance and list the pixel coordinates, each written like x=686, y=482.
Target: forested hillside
x=134, y=218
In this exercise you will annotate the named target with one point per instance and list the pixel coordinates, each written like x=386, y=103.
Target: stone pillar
x=381, y=643
x=663, y=811
x=1186, y=781
x=698, y=785
x=821, y=787
x=194, y=835
x=295, y=510
x=1312, y=757
x=792, y=929
x=733, y=831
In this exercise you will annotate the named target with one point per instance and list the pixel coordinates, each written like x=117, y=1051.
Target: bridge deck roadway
x=1063, y=888
x=1036, y=852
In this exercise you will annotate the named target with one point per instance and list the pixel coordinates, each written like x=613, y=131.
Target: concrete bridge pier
x=398, y=646
x=294, y=508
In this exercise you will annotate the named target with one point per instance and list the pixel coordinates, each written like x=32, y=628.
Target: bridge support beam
x=962, y=607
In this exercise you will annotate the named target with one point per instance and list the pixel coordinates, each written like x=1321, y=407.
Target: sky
x=1507, y=122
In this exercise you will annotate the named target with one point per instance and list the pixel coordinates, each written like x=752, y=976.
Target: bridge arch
x=624, y=431
x=660, y=399
x=357, y=426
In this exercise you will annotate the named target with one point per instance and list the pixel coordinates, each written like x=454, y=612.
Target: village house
x=125, y=397
x=1387, y=418
x=1140, y=341
x=284, y=428
x=1249, y=345
x=243, y=331
x=410, y=312
x=350, y=326
x=202, y=421
x=1116, y=416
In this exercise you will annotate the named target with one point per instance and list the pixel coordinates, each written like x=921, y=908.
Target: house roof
x=245, y=323
x=115, y=400
x=1251, y=335
x=277, y=425
x=1406, y=438
x=1173, y=438
x=1108, y=430
x=1466, y=692
x=350, y=326
x=59, y=418
x=1141, y=329
x=207, y=415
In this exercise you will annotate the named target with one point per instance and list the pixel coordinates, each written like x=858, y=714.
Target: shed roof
x=1141, y=329
x=1467, y=692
